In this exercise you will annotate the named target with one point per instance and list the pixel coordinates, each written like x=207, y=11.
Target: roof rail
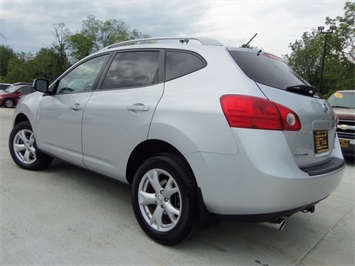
x=202, y=40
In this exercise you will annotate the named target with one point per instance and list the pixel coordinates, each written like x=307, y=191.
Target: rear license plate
x=321, y=141
x=344, y=143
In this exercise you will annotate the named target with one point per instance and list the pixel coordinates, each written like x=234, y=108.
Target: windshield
x=12, y=88
x=343, y=100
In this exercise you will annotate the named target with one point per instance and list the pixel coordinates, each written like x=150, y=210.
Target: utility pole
x=331, y=30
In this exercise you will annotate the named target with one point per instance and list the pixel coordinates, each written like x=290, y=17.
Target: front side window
x=180, y=63
x=132, y=69
x=82, y=78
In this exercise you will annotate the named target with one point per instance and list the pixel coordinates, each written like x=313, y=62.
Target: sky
x=28, y=25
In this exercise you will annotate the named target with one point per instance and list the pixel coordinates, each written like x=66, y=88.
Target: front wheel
x=164, y=198
x=23, y=149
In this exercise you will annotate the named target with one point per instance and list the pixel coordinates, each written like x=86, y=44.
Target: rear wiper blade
x=303, y=89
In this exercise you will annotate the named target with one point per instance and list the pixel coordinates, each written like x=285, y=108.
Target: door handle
x=138, y=107
x=76, y=107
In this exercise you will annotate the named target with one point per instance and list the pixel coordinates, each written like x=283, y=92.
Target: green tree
x=306, y=54
x=18, y=69
x=60, y=47
x=67, y=48
x=79, y=46
x=97, y=34
x=47, y=63
x=6, y=54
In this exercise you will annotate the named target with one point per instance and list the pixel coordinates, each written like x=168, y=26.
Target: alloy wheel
x=23, y=145
x=159, y=200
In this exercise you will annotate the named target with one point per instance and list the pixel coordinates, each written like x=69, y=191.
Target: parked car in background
x=197, y=128
x=9, y=97
x=343, y=103
x=3, y=86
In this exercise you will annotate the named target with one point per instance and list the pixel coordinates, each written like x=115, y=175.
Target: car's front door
x=59, y=117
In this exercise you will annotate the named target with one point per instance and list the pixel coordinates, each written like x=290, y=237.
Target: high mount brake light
x=274, y=57
x=258, y=113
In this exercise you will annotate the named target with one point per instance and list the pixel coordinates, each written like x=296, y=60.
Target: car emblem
x=325, y=107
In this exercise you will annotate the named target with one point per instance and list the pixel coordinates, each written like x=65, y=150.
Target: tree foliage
x=6, y=55
x=339, y=64
x=97, y=34
x=47, y=63
x=69, y=47
x=66, y=49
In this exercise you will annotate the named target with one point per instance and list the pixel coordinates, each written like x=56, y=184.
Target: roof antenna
x=246, y=45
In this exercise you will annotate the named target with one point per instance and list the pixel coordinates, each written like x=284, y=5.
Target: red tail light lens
x=258, y=113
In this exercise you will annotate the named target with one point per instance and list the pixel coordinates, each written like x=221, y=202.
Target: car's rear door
x=118, y=115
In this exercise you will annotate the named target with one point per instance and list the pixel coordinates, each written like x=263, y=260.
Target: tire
x=23, y=149
x=164, y=199
x=8, y=103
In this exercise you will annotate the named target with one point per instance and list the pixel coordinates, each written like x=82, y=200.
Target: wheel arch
x=147, y=149
x=20, y=118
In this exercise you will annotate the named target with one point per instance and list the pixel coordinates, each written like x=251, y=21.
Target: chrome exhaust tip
x=279, y=224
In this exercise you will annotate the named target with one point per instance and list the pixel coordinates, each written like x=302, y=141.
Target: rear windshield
x=266, y=69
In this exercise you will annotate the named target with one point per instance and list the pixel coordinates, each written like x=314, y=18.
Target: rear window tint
x=266, y=69
x=132, y=69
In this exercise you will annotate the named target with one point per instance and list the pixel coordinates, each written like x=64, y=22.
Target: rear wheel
x=23, y=149
x=164, y=199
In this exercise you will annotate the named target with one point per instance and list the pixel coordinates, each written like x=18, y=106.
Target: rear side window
x=26, y=90
x=180, y=63
x=132, y=69
x=266, y=69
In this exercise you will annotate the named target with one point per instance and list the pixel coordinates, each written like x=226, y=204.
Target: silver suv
x=198, y=129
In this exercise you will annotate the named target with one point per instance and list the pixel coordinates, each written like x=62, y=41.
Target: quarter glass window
x=180, y=63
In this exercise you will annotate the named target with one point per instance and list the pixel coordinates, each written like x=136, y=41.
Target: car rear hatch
x=313, y=144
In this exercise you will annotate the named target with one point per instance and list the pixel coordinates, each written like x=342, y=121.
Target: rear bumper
x=330, y=166
x=234, y=185
x=269, y=217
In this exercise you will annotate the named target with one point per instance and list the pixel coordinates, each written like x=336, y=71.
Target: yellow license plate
x=321, y=141
x=344, y=143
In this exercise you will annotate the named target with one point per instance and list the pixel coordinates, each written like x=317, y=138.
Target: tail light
x=258, y=113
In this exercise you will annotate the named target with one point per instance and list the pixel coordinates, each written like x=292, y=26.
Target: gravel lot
x=66, y=215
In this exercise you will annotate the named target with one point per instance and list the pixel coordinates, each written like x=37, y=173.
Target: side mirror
x=41, y=85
